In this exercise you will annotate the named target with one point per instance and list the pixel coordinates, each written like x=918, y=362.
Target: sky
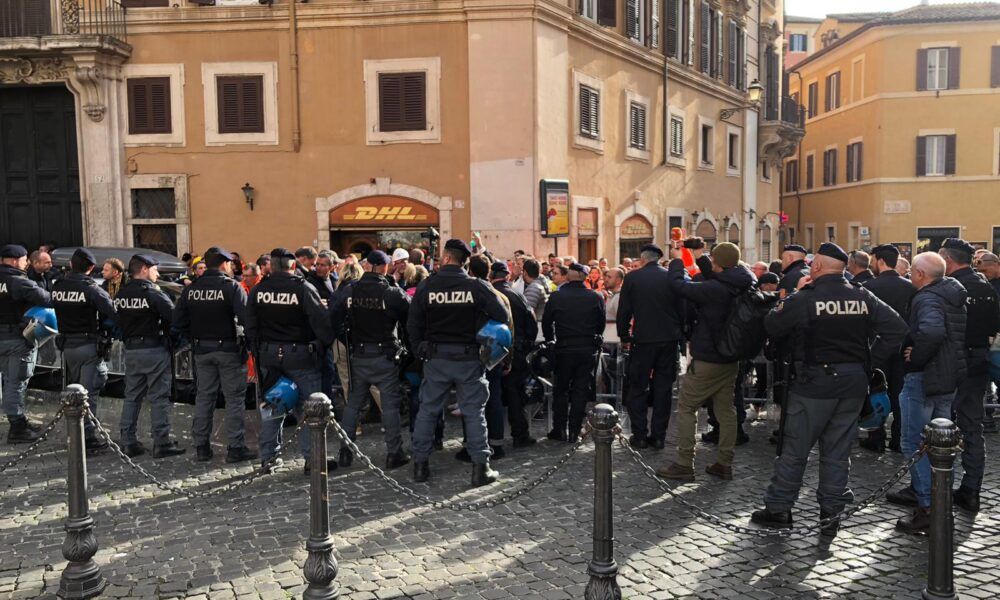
x=820, y=8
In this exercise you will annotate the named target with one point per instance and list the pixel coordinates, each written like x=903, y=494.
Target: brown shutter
x=148, y=105
x=705, y=33
x=859, y=159
x=241, y=103
x=672, y=28
x=34, y=15
x=606, y=13
x=731, y=54
x=632, y=19
x=850, y=163
x=954, y=67
x=921, y=70
x=949, y=154
x=415, y=101
x=995, y=66
x=827, y=97
x=921, y=156
x=834, y=162
x=810, y=171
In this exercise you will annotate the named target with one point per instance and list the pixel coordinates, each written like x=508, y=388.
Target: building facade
x=800, y=39
x=902, y=137
x=351, y=125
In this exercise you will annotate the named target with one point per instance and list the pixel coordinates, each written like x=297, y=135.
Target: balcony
x=781, y=130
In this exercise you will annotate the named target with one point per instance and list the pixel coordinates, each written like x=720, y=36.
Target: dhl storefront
x=398, y=218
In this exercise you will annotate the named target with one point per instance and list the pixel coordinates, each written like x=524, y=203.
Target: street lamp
x=754, y=91
x=248, y=194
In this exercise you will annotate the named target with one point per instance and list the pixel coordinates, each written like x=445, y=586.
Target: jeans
x=17, y=363
x=468, y=377
x=919, y=410
x=216, y=371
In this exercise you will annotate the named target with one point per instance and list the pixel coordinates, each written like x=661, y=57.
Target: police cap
x=216, y=250
x=960, y=245
x=13, y=251
x=146, y=259
x=885, y=250
x=581, y=268
x=499, y=268
x=833, y=251
x=85, y=255
x=798, y=248
x=459, y=246
x=377, y=258
x=282, y=253
x=650, y=248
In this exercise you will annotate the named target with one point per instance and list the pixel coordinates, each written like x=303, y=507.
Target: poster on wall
x=553, y=196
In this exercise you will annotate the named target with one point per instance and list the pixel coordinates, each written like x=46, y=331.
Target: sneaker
x=271, y=468
x=167, y=450
x=240, y=454
x=772, y=519
x=903, y=497
x=724, y=472
x=917, y=522
x=676, y=472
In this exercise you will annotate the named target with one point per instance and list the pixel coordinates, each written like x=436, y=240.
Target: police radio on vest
x=205, y=295
x=131, y=303
x=456, y=297
x=842, y=307
x=64, y=296
x=282, y=298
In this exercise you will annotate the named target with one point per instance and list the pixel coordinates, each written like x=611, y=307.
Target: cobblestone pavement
x=251, y=544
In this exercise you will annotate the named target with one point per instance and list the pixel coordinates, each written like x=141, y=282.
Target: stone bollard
x=82, y=577
x=942, y=438
x=320, y=568
x=603, y=569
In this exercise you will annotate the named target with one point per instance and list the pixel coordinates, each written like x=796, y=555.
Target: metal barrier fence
x=82, y=577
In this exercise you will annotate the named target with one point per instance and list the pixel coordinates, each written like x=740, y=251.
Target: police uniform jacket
x=525, y=325
x=285, y=308
x=373, y=309
x=647, y=298
x=338, y=319
x=832, y=324
x=17, y=295
x=209, y=310
x=712, y=299
x=450, y=307
x=791, y=275
x=82, y=308
x=996, y=285
x=144, y=314
x=894, y=290
x=937, y=335
x=574, y=316
x=983, y=318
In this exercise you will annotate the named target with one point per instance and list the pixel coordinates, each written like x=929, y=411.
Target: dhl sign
x=377, y=210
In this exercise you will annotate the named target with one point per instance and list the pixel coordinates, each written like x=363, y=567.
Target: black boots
x=331, y=465
x=346, y=457
x=421, y=471
x=774, y=520
x=240, y=454
x=169, y=449
x=919, y=521
x=482, y=474
x=966, y=499
x=203, y=453
x=21, y=431
x=903, y=497
x=830, y=529
x=396, y=459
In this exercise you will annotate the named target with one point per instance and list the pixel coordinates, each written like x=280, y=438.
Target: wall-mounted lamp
x=725, y=222
x=754, y=91
x=248, y=194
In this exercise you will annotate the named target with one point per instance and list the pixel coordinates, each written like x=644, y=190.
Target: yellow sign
x=557, y=213
x=384, y=213
x=378, y=210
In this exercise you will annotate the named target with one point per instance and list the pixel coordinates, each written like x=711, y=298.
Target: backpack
x=743, y=335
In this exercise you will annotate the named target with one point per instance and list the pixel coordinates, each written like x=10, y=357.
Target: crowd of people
x=404, y=328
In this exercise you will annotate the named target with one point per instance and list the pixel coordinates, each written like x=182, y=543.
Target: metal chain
x=491, y=502
x=650, y=472
x=243, y=481
x=41, y=438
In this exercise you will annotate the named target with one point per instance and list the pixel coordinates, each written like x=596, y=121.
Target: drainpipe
x=293, y=56
x=798, y=188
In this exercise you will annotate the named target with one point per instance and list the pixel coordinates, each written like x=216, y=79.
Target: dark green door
x=39, y=174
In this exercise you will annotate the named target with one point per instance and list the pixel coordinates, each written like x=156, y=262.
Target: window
x=854, y=161
x=588, y=9
x=673, y=30
x=832, y=92
x=813, y=99
x=736, y=56
x=635, y=20
x=706, y=55
x=810, y=237
x=937, y=69
x=148, y=105
x=765, y=243
x=707, y=143
x=402, y=101
x=733, y=153
x=765, y=171
x=810, y=171
x=936, y=155
x=590, y=112
x=831, y=233
x=830, y=167
x=792, y=176
x=995, y=66
x=676, y=136
x=797, y=42
x=717, y=45
x=241, y=103
x=637, y=126
x=157, y=212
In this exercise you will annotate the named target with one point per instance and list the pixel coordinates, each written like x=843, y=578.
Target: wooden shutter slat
x=921, y=156
x=921, y=69
x=673, y=6
x=995, y=66
x=954, y=67
x=704, y=37
x=949, y=154
x=632, y=19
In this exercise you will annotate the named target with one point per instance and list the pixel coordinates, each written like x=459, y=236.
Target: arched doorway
x=707, y=231
x=734, y=234
x=634, y=233
x=385, y=222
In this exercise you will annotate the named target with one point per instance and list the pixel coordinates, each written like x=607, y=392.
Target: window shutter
x=654, y=24
x=606, y=13
x=810, y=168
x=414, y=101
x=949, y=154
x=731, y=54
x=704, y=37
x=241, y=103
x=833, y=167
x=741, y=71
x=954, y=67
x=229, y=106
x=718, y=58
x=688, y=26
x=921, y=156
x=850, y=163
x=859, y=161
x=148, y=105
x=584, y=111
x=632, y=19
x=995, y=67
x=673, y=26
x=251, y=106
x=828, y=98
x=921, y=70
x=402, y=101
x=826, y=168
x=390, y=94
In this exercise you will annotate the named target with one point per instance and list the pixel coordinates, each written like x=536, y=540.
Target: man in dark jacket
x=513, y=383
x=889, y=287
x=858, y=267
x=935, y=364
x=793, y=268
x=650, y=326
x=710, y=376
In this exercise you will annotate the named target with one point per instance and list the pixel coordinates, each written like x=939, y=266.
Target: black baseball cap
x=500, y=268
x=581, y=268
x=219, y=252
x=885, y=250
x=959, y=245
x=377, y=258
x=146, y=259
x=459, y=245
x=798, y=248
x=833, y=251
x=13, y=251
x=86, y=255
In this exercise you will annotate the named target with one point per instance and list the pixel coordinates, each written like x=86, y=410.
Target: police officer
x=515, y=394
x=983, y=323
x=86, y=316
x=650, y=326
x=896, y=291
x=17, y=356
x=288, y=326
x=793, y=268
x=448, y=310
x=375, y=311
x=574, y=316
x=831, y=323
x=144, y=317
x=207, y=314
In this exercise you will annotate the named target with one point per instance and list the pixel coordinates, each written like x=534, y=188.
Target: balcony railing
x=792, y=113
x=33, y=18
